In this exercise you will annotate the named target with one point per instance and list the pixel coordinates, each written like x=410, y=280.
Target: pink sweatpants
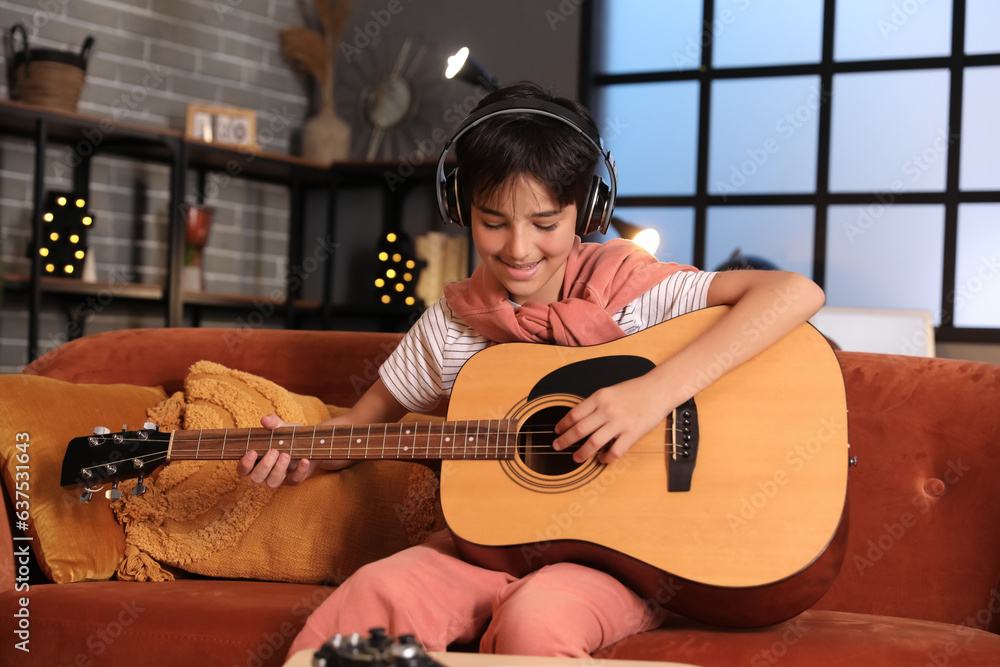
x=428, y=591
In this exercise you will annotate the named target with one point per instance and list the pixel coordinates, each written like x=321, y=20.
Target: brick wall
x=152, y=58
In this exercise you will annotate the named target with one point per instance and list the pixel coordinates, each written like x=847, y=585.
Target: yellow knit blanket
x=201, y=517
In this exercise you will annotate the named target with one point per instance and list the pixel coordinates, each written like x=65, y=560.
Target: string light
x=66, y=233
x=397, y=270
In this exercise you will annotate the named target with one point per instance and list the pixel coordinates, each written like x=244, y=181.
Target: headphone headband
x=596, y=212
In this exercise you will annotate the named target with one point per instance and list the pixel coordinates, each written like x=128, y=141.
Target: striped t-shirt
x=422, y=369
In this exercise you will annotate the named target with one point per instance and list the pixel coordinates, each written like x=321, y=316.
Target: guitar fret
x=385, y=433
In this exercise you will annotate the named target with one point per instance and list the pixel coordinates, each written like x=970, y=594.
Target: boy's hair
x=493, y=153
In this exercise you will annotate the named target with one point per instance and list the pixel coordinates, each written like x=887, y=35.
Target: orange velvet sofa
x=919, y=585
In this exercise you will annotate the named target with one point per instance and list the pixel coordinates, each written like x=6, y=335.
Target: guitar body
x=756, y=538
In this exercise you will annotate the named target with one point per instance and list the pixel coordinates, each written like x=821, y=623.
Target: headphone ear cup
x=453, y=201
x=596, y=213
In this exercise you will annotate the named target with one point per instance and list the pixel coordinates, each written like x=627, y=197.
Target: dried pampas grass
x=305, y=50
x=313, y=52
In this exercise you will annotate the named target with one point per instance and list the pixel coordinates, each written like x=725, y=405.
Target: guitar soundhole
x=535, y=444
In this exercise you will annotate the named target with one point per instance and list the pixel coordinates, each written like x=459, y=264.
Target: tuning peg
x=139, y=487
x=86, y=496
x=114, y=493
x=150, y=426
x=102, y=430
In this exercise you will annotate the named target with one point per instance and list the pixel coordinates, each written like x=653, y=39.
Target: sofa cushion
x=201, y=517
x=923, y=536
x=817, y=639
x=72, y=541
x=166, y=624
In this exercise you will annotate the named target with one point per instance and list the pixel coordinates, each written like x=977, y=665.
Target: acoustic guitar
x=731, y=511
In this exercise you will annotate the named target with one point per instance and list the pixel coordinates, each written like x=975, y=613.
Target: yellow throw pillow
x=72, y=541
x=200, y=517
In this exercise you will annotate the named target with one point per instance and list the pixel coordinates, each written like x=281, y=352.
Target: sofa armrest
x=335, y=366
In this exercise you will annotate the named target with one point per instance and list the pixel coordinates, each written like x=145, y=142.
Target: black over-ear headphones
x=594, y=215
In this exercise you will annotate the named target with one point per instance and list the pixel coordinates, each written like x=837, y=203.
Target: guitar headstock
x=110, y=457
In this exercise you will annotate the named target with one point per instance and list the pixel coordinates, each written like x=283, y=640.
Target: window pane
x=780, y=235
x=762, y=33
x=885, y=257
x=675, y=226
x=981, y=20
x=977, y=270
x=979, y=160
x=764, y=135
x=872, y=29
x=889, y=131
x=649, y=36
x=652, y=131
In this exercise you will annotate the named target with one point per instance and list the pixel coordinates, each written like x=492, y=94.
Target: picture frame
x=223, y=126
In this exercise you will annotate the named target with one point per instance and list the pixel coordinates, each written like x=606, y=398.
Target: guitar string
x=347, y=447
x=161, y=456
x=269, y=435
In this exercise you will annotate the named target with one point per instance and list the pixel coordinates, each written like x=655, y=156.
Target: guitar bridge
x=682, y=450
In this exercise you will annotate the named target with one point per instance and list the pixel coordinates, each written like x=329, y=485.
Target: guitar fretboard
x=494, y=439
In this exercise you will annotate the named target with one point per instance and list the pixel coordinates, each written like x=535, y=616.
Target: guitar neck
x=494, y=439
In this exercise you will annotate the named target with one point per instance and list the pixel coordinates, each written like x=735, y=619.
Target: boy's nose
x=517, y=244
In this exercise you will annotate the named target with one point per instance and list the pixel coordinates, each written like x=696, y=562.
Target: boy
x=525, y=177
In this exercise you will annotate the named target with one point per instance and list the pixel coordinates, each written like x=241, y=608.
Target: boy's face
x=524, y=237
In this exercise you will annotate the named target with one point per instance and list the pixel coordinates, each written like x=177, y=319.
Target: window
x=854, y=141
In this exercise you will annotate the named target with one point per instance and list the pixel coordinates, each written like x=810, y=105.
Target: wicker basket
x=45, y=77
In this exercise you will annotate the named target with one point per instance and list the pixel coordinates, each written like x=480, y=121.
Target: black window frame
x=951, y=197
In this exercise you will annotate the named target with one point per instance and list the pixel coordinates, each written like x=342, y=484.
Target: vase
x=326, y=137
x=198, y=225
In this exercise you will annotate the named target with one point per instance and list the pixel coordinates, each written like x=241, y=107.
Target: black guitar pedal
x=376, y=650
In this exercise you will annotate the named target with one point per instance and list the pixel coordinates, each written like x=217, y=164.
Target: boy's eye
x=492, y=225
